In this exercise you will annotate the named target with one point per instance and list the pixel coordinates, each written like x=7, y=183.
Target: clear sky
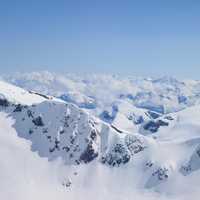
x=143, y=37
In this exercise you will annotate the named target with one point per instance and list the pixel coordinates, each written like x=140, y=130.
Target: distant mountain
x=163, y=95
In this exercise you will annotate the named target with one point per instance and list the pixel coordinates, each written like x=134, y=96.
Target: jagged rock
x=153, y=115
x=30, y=131
x=4, y=102
x=109, y=116
x=106, y=116
x=18, y=108
x=29, y=113
x=153, y=126
x=38, y=121
x=162, y=123
x=89, y=154
x=42, y=95
x=93, y=134
x=117, y=156
x=138, y=120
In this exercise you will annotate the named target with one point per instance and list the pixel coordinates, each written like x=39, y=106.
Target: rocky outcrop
x=152, y=126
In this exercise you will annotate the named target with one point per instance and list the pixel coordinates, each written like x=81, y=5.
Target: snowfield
x=99, y=137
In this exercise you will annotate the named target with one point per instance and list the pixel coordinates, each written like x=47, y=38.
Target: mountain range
x=102, y=136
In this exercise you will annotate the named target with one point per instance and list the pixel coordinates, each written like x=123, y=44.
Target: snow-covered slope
x=138, y=148
x=18, y=95
x=56, y=129
x=26, y=176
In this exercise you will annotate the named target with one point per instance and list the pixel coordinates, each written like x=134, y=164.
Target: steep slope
x=56, y=129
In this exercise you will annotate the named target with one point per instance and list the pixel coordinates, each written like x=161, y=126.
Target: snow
x=120, y=160
x=162, y=94
x=18, y=95
x=25, y=175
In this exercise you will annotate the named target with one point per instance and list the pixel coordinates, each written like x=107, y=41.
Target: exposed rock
x=153, y=126
x=18, y=108
x=135, y=144
x=89, y=154
x=162, y=123
x=152, y=114
x=4, y=102
x=38, y=121
x=117, y=156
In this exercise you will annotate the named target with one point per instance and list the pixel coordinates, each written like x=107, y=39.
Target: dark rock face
x=153, y=126
x=93, y=134
x=39, y=94
x=182, y=99
x=116, y=129
x=153, y=115
x=109, y=116
x=121, y=152
x=138, y=120
x=4, y=102
x=89, y=154
x=162, y=123
x=38, y=121
x=106, y=116
x=119, y=155
x=29, y=113
x=18, y=108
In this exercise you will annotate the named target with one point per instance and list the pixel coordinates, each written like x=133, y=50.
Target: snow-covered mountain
x=112, y=98
x=118, y=138
x=163, y=95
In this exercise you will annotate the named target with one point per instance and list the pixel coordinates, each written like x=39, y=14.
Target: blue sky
x=143, y=37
